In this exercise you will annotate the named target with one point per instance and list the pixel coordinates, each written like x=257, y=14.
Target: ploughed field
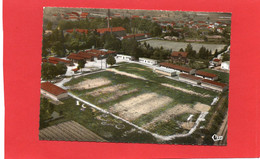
x=176, y=46
x=135, y=93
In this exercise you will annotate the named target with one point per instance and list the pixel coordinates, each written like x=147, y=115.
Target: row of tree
x=50, y=71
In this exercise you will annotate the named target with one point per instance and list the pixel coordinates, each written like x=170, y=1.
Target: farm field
x=176, y=46
x=136, y=94
x=63, y=131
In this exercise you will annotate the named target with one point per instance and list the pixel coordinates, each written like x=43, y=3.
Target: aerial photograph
x=135, y=76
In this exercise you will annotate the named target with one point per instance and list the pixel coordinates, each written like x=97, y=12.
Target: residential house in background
x=118, y=31
x=179, y=57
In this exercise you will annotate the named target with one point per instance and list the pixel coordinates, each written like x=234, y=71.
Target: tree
x=61, y=68
x=181, y=50
x=49, y=71
x=46, y=109
x=81, y=64
x=226, y=57
x=49, y=25
x=111, y=60
x=190, y=51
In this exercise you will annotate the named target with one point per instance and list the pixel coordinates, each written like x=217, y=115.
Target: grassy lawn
x=104, y=127
x=143, y=86
x=223, y=77
x=148, y=73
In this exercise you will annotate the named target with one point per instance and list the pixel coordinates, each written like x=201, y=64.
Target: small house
x=180, y=57
x=52, y=91
x=147, y=61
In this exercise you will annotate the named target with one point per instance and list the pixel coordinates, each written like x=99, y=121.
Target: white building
x=148, y=61
x=165, y=71
x=225, y=65
x=123, y=57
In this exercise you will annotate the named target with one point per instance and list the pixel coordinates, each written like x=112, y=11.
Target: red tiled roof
x=69, y=30
x=82, y=30
x=135, y=16
x=75, y=69
x=177, y=67
x=53, y=89
x=133, y=35
x=75, y=13
x=75, y=57
x=44, y=60
x=58, y=60
x=183, y=54
x=84, y=55
x=214, y=83
x=190, y=77
x=205, y=74
x=114, y=29
x=216, y=60
x=84, y=14
x=53, y=62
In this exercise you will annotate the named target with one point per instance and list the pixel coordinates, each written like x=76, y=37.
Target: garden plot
x=171, y=113
x=91, y=83
x=134, y=107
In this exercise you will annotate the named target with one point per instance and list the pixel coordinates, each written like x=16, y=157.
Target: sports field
x=176, y=46
x=137, y=94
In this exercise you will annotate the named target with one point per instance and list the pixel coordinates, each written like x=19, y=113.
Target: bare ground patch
x=105, y=90
x=91, y=83
x=187, y=125
x=185, y=90
x=201, y=107
x=126, y=74
x=170, y=113
x=136, y=106
x=117, y=95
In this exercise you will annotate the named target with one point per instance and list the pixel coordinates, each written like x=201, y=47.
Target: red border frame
x=22, y=58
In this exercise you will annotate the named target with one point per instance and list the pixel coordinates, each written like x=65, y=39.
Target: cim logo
x=217, y=138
